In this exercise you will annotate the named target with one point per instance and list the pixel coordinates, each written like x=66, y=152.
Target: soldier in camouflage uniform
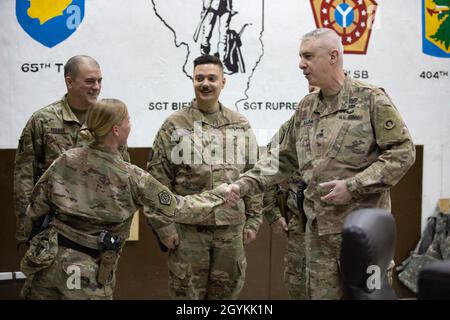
x=280, y=208
x=91, y=194
x=284, y=217
x=277, y=217
x=350, y=146
x=197, y=149
x=54, y=129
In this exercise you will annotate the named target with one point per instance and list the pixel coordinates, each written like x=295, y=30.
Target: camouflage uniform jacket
x=271, y=209
x=49, y=132
x=361, y=139
x=91, y=189
x=434, y=245
x=190, y=155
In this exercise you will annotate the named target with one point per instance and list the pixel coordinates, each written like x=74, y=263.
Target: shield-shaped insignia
x=351, y=19
x=50, y=21
x=436, y=28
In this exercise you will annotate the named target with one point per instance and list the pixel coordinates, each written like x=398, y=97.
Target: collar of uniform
x=341, y=104
x=104, y=149
x=67, y=113
x=223, y=118
x=83, y=127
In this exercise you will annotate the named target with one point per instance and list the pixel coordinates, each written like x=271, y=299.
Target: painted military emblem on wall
x=216, y=36
x=50, y=21
x=351, y=19
x=229, y=29
x=436, y=28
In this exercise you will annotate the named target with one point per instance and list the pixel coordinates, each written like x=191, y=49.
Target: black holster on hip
x=106, y=267
x=301, y=195
x=300, y=200
x=109, y=256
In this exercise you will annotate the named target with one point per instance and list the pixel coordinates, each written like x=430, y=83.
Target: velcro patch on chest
x=165, y=198
x=308, y=122
x=350, y=117
x=58, y=130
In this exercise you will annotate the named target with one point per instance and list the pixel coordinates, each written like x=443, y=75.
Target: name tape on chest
x=58, y=130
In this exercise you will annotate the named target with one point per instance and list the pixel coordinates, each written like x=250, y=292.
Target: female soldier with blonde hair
x=82, y=207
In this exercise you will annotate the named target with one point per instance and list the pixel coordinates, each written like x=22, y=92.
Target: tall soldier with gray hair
x=349, y=145
x=54, y=129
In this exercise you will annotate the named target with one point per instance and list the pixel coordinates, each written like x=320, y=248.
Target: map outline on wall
x=225, y=28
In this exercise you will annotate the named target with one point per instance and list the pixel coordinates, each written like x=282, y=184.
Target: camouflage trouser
x=60, y=280
x=209, y=263
x=295, y=267
x=312, y=262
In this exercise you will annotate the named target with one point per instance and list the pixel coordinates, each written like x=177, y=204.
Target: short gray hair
x=333, y=39
x=72, y=65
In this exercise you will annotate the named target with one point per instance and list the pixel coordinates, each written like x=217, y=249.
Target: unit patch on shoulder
x=165, y=198
x=389, y=124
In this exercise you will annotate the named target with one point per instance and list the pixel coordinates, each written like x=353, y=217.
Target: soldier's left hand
x=338, y=193
x=280, y=226
x=248, y=235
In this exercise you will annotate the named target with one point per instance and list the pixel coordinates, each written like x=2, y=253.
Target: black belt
x=203, y=228
x=65, y=242
x=211, y=228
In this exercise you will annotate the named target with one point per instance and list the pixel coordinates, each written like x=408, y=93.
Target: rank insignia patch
x=351, y=19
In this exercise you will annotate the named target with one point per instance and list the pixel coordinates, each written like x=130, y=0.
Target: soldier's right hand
x=232, y=198
x=280, y=226
x=228, y=204
x=172, y=241
x=233, y=192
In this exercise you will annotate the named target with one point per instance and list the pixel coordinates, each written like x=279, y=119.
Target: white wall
x=142, y=65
